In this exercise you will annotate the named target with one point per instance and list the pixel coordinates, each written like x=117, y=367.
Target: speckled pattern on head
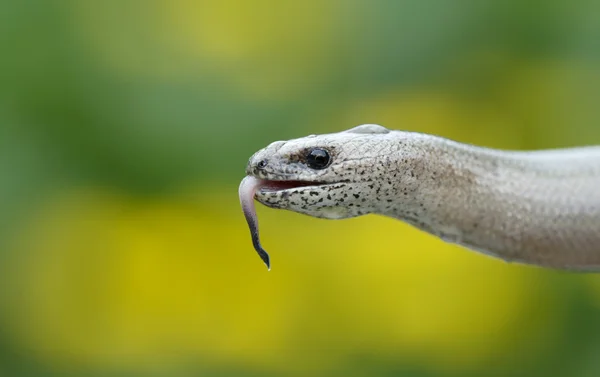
x=539, y=207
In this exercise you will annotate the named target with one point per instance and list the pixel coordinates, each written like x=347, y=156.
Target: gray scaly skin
x=540, y=208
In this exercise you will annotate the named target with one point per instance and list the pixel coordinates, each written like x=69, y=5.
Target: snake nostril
x=262, y=164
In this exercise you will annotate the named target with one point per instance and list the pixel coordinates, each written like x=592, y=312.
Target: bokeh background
x=125, y=128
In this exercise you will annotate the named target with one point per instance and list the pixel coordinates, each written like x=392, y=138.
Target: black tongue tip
x=261, y=252
x=265, y=258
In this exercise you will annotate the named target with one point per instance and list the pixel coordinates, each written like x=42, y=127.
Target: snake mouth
x=274, y=186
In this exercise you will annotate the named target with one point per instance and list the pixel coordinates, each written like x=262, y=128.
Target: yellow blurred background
x=125, y=127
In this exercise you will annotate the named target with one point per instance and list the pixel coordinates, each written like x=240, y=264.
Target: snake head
x=330, y=176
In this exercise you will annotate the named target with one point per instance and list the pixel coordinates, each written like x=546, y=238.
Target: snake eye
x=317, y=159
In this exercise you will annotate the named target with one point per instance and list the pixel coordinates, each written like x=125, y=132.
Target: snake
x=537, y=207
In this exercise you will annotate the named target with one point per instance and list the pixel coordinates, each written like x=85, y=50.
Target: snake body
x=535, y=207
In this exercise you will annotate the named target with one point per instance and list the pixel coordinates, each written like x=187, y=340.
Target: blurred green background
x=125, y=128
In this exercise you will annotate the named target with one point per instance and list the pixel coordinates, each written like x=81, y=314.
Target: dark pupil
x=317, y=159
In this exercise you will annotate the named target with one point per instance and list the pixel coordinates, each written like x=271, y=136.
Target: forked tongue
x=247, y=189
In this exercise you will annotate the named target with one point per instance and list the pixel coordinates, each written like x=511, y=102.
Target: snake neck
x=428, y=183
x=540, y=208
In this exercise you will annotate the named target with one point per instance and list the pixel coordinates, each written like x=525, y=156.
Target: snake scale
x=533, y=207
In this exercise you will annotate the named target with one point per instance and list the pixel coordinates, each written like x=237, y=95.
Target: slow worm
x=533, y=207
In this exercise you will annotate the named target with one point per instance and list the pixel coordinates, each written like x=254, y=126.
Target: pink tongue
x=247, y=189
